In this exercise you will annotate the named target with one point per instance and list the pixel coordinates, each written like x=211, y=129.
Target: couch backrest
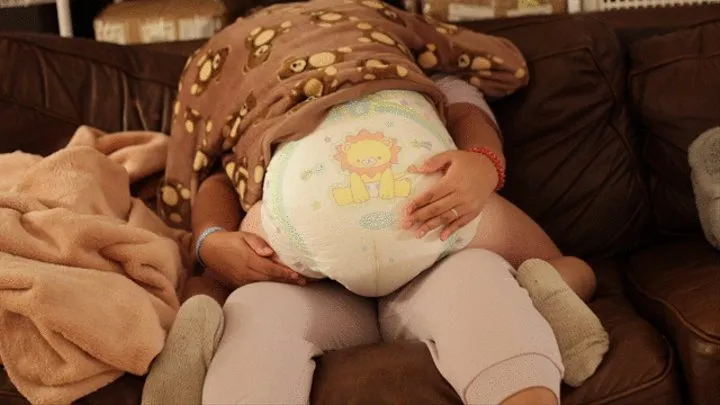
x=49, y=86
x=569, y=142
x=675, y=91
x=596, y=158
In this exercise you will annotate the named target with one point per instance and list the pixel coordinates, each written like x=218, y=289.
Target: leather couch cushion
x=571, y=160
x=640, y=367
x=48, y=87
x=675, y=88
x=677, y=286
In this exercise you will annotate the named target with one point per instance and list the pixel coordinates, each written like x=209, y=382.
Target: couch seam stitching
x=654, y=382
x=636, y=72
x=43, y=111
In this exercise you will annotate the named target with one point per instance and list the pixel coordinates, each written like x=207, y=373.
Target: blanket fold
x=88, y=274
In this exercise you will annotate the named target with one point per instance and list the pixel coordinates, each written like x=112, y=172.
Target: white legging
x=484, y=335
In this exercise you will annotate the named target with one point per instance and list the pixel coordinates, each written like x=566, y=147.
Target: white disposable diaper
x=333, y=200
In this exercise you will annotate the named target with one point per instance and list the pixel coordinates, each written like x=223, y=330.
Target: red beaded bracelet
x=496, y=161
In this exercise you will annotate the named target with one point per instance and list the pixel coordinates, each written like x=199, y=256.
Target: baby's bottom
x=484, y=334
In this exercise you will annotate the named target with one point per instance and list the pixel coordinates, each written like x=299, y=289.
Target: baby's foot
x=704, y=159
x=580, y=336
x=178, y=373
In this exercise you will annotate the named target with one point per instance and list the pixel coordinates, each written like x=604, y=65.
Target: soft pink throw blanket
x=88, y=274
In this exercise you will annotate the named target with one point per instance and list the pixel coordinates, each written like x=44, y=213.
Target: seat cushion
x=675, y=87
x=677, y=286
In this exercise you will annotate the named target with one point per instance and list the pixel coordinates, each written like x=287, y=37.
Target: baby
x=347, y=187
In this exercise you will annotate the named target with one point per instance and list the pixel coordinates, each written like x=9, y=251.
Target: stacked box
x=469, y=10
x=149, y=21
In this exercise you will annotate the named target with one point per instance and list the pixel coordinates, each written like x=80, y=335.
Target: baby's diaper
x=333, y=200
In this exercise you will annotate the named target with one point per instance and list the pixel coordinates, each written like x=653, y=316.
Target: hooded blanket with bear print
x=273, y=76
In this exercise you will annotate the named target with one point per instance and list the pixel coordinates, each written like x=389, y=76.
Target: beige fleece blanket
x=88, y=274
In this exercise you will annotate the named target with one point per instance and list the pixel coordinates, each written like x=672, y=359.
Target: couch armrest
x=677, y=287
x=51, y=85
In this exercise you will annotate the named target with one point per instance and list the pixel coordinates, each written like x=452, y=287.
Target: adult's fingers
x=436, y=163
x=455, y=225
x=258, y=244
x=432, y=210
x=436, y=192
x=442, y=219
x=275, y=271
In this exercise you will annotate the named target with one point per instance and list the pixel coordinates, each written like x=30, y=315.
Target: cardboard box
x=469, y=10
x=148, y=21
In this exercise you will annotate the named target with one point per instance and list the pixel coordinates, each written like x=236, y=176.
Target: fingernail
x=407, y=224
x=267, y=250
x=420, y=233
x=294, y=276
x=409, y=209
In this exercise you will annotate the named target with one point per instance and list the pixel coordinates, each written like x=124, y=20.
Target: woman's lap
x=468, y=308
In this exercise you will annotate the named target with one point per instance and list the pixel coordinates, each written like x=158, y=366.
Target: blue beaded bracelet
x=198, y=243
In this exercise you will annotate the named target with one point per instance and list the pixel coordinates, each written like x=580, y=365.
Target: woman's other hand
x=240, y=258
x=468, y=179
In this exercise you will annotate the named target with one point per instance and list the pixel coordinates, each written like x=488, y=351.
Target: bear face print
x=321, y=60
x=209, y=66
x=239, y=175
x=384, y=11
x=320, y=84
x=441, y=27
x=191, y=119
x=231, y=129
x=327, y=18
x=374, y=69
x=476, y=64
x=175, y=202
x=259, y=44
x=371, y=34
x=428, y=58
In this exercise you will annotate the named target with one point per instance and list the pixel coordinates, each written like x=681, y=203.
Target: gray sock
x=704, y=159
x=581, y=338
x=178, y=373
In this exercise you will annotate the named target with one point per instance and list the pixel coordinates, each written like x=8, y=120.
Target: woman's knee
x=577, y=274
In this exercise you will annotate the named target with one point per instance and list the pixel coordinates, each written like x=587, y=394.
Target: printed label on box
x=111, y=32
x=532, y=10
x=23, y=3
x=158, y=31
x=469, y=12
x=196, y=28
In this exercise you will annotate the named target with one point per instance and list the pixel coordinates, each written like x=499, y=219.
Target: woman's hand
x=468, y=180
x=240, y=258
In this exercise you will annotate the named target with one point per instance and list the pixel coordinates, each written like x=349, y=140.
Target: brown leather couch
x=597, y=155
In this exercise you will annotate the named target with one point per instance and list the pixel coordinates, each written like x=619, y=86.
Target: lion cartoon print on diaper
x=333, y=200
x=369, y=159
